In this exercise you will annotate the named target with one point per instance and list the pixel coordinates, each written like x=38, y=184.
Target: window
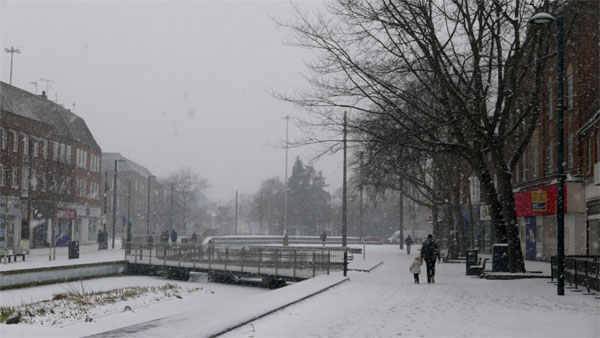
x=15, y=178
x=54, y=151
x=570, y=150
x=25, y=144
x=43, y=181
x=474, y=189
x=550, y=157
x=34, y=180
x=24, y=178
x=36, y=149
x=68, y=185
x=535, y=161
x=45, y=150
x=1, y=175
x=68, y=155
x=62, y=153
x=524, y=162
x=4, y=136
x=549, y=103
x=15, y=141
x=570, y=91
x=589, y=154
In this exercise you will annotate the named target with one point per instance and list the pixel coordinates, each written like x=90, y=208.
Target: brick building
x=133, y=182
x=535, y=177
x=49, y=171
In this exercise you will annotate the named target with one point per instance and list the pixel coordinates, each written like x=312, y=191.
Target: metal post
x=128, y=234
x=287, y=121
x=295, y=260
x=344, y=202
x=148, y=211
x=276, y=262
x=171, y=210
x=328, y=261
x=259, y=259
x=114, y=211
x=226, y=257
x=105, y=202
x=314, y=261
x=236, y=213
x=560, y=214
x=242, y=270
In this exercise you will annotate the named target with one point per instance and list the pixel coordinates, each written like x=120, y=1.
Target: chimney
x=44, y=94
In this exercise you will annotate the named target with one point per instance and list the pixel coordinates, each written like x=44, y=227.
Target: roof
x=35, y=107
x=108, y=164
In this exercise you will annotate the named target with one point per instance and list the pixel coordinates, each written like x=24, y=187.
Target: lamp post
x=115, y=202
x=542, y=19
x=12, y=52
x=148, y=212
x=287, y=122
x=344, y=204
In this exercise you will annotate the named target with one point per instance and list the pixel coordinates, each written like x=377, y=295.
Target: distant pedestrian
x=286, y=241
x=408, y=241
x=323, y=237
x=173, y=236
x=429, y=252
x=415, y=268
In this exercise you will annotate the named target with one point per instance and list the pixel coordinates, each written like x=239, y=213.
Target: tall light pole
x=542, y=19
x=115, y=202
x=344, y=204
x=285, y=192
x=148, y=212
x=12, y=51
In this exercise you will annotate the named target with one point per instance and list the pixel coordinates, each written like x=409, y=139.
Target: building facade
x=139, y=197
x=49, y=173
x=535, y=177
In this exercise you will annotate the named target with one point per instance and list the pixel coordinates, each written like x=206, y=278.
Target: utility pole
x=148, y=212
x=344, y=203
x=261, y=213
x=128, y=234
x=287, y=121
x=106, y=188
x=115, y=202
x=171, y=213
x=12, y=52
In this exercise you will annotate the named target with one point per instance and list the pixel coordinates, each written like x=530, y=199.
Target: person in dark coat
x=408, y=241
x=323, y=237
x=429, y=252
x=173, y=236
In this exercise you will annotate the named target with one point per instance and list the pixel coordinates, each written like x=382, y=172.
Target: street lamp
x=287, y=122
x=542, y=19
x=148, y=213
x=12, y=52
x=115, y=202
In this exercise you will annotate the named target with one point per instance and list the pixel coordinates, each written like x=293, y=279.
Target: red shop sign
x=68, y=214
x=540, y=201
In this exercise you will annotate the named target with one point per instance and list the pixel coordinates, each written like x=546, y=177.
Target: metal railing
x=292, y=262
x=580, y=271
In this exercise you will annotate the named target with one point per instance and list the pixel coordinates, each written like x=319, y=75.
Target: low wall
x=58, y=274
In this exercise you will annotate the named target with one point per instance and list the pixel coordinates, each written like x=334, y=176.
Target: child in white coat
x=415, y=268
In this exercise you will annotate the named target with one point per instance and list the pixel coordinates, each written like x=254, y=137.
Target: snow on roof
x=108, y=164
x=64, y=122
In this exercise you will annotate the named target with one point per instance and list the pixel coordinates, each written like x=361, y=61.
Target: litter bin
x=454, y=251
x=471, y=259
x=73, y=249
x=500, y=258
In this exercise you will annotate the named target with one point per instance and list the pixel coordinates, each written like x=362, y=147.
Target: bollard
x=259, y=259
x=134, y=256
x=141, y=253
x=551, y=269
x=226, y=257
x=328, y=260
x=242, y=270
x=295, y=259
x=210, y=253
x=575, y=277
x=276, y=262
x=587, y=281
x=314, y=263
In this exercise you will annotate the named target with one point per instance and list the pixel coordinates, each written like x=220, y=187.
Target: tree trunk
x=515, y=254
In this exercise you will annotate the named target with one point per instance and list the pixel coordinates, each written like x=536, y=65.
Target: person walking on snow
x=429, y=252
x=415, y=268
x=408, y=241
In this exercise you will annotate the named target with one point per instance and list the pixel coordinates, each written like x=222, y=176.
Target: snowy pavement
x=382, y=303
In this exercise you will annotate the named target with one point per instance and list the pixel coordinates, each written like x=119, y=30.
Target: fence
x=580, y=271
x=295, y=262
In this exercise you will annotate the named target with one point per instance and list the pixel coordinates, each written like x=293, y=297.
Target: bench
x=478, y=269
x=4, y=253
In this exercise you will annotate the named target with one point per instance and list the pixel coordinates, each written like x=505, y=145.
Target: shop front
x=10, y=220
x=536, y=212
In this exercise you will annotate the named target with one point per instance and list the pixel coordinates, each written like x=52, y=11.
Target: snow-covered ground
x=382, y=303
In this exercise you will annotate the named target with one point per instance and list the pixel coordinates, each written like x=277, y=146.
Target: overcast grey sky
x=169, y=84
